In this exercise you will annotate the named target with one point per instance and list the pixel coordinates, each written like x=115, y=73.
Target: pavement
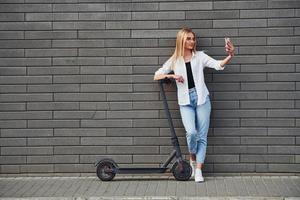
x=139, y=187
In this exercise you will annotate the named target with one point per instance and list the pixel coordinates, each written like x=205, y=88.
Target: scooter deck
x=140, y=170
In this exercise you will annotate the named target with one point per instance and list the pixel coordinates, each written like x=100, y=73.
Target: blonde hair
x=180, y=41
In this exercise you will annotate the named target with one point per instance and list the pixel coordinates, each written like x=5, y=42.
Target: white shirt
x=199, y=61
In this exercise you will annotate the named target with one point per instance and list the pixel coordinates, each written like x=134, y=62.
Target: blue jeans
x=196, y=123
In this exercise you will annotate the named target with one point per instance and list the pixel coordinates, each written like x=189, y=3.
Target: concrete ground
x=151, y=187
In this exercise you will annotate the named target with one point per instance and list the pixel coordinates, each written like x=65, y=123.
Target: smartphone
x=227, y=40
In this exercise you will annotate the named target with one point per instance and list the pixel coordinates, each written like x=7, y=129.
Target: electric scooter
x=181, y=169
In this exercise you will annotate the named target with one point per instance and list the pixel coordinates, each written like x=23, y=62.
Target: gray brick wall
x=76, y=83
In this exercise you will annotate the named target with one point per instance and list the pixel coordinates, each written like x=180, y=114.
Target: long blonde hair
x=180, y=41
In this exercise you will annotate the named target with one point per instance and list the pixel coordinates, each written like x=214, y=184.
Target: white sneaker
x=193, y=166
x=198, y=175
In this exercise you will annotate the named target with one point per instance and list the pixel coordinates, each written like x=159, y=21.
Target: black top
x=191, y=82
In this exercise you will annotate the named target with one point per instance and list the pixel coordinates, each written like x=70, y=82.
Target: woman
x=193, y=96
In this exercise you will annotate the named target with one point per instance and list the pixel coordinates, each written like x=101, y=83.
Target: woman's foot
x=198, y=175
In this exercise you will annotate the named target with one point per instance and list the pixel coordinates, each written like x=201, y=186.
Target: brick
x=267, y=104
x=105, y=52
x=25, y=79
x=113, y=132
x=132, y=150
x=116, y=158
x=283, y=59
x=284, y=95
x=53, y=123
x=268, y=68
x=73, y=168
x=106, y=88
x=11, y=35
x=234, y=168
x=54, y=88
x=161, y=141
x=223, y=140
x=122, y=141
x=52, y=106
x=79, y=132
x=283, y=4
x=11, y=53
x=154, y=33
x=106, y=123
x=11, y=17
x=266, y=50
x=267, y=13
x=239, y=95
x=24, y=61
x=107, y=16
x=268, y=86
x=50, y=16
x=267, y=158
x=248, y=59
x=238, y=113
x=59, y=141
x=153, y=105
x=225, y=104
x=239, y=77
x=78, y=61
x=25, y=26
x=267, y=122
x=25, y=43
x=79, y=97
x=131, y=114
x=158, y=15
x=131, y=6
x=52, y=159
x=26, y=132
x=190, y=23
x=6, y=142
x=12, y=160
x=292, y=40
x=267, y=140
x=12, y=106
x=131, y=43
x=149, y=158
x=239, y=5
x=79, y=150
x=278, y=31
x=12, y=88
x=78, y=7
x=287, y=113
x=240, y=149
x=283, y=149
x=52, y=70
x=77, y=43
x=186, y=6
x=79, y=79
x=104, y=34
x=239, y=131
x=283, y=131
x=25, y=8
x=243, y=41
x=36, y=168
x=223, y=86
x=214, y=14
x=12, y=123
x=106, y=70
x=131, y=60
x=132, y=25
x=50, y=52
x=78, y=25
x=25, y=97
x=243, y=23
x=79, y=115
x=283, y=22
x=283, y=76
x=156, y=123
x=26, y=150
x=95, y=106
x=284, y=167
x=50, y=34
x=26, y=115
x=222, y=159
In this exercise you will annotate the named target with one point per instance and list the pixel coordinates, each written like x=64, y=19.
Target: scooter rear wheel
x=106, y=170
x=182, y=170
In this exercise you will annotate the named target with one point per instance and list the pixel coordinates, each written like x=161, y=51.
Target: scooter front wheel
x=182, y=170
x=106, y=169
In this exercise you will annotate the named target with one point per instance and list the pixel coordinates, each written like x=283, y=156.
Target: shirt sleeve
x=210, y=62
x=165, y=69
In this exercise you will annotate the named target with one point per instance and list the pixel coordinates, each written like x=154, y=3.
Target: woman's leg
x=188, y=115
x=202, y=120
